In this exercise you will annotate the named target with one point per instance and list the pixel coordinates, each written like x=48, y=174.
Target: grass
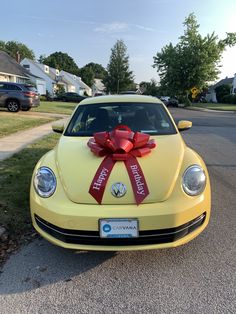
x=55, y=107
x=11, y=123
x=15, y=177
x=217, y=106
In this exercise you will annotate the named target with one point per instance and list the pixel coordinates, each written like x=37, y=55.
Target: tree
x=87, y=75
x=194, y=60
x=91, y=71
x=150, y=88
x=41, y=58
x=118, y=77
x=14, y=48
x=61, y=61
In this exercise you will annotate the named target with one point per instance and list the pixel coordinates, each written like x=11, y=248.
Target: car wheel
x=13, y=105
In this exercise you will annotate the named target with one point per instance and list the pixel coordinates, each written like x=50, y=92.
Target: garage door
x=41, y=90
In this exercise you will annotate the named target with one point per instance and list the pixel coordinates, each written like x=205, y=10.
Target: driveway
x=196, y=278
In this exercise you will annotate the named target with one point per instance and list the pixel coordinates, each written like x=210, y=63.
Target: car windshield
x=148, y=118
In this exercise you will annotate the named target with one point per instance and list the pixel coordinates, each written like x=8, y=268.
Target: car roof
x=120, y=98
x=12, y=83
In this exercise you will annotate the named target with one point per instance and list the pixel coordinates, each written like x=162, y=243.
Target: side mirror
x=58, y=127
x=184, y=125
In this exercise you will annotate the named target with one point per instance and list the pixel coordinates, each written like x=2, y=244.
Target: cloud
x=115, y=27
x=121, y=27
x=144, y=28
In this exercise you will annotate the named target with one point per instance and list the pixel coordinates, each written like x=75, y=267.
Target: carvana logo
x=106, y=228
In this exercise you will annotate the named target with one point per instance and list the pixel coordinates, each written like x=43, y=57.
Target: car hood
x=77, y=166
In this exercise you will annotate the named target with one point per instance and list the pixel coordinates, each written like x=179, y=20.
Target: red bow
x=121, y=144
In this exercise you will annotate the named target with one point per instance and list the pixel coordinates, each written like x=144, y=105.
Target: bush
x=229, y=99
x=184, y=100
x=222, y=91
x=43, y=98
x=60, y=90
x=234, y=99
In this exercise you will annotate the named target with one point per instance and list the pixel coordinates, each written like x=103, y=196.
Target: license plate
x=118, y=228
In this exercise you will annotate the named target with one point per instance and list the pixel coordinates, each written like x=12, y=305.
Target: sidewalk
x=9, y=145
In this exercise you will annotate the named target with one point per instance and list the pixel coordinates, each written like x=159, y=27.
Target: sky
x=88, y=29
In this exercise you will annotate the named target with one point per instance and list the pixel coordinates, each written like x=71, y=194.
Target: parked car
x=165, y=99
x=128, y=92
x=120, y=178
x=73, y=97
x=173, y=102
x=16, y=96
x=170, y=101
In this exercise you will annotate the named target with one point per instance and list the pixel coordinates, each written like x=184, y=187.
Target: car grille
x=145, y=237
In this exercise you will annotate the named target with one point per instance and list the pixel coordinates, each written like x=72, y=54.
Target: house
x=11, y=71
x=98, y=87
x=55, y=78
x=211, y=93
x=75, y=84
x=40, y=70
x=39, y=82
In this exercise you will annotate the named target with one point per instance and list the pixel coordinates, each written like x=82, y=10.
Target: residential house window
x=57, y=72
x=26, y=66
x=46, y=69
x=20, y=80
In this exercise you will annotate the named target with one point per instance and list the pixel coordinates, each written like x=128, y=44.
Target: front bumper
x=161, y=225
x=81, y=237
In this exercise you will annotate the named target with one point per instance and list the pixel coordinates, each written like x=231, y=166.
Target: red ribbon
x=121, y=144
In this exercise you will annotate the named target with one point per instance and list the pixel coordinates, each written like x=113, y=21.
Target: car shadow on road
x=40, y=263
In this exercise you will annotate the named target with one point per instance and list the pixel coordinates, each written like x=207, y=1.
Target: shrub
x=229, y=99
x=234, y=99
x=43, y=98
x=184, y=100
x=222, y=91
x=60, y=90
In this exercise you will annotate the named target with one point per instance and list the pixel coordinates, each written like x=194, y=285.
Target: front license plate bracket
x=119, y=228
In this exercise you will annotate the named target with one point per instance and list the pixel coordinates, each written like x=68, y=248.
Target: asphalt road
x=196, y=278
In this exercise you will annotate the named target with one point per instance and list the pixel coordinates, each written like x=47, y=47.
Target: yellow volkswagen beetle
x=120, y=178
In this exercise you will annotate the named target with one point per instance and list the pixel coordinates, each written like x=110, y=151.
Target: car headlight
x=194, y=180
x=45, y=182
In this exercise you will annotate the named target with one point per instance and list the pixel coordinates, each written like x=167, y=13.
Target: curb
x=208, y=110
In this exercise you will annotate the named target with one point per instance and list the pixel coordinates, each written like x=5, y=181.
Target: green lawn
x=13, y=122
x=55, y=107
x=15, y=177
x=228, y=107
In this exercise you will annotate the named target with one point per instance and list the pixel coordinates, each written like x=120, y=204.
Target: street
x=198, y=277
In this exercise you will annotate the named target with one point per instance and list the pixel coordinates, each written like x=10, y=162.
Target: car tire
x=13, y=105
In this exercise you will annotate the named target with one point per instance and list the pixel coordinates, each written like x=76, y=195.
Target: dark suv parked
x=16, y=96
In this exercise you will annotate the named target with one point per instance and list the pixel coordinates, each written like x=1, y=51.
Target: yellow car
x=120, y=178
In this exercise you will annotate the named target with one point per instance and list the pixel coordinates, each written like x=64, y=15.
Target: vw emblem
x=118, y=189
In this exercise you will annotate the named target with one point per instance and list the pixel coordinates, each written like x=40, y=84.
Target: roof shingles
x=10, y=66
